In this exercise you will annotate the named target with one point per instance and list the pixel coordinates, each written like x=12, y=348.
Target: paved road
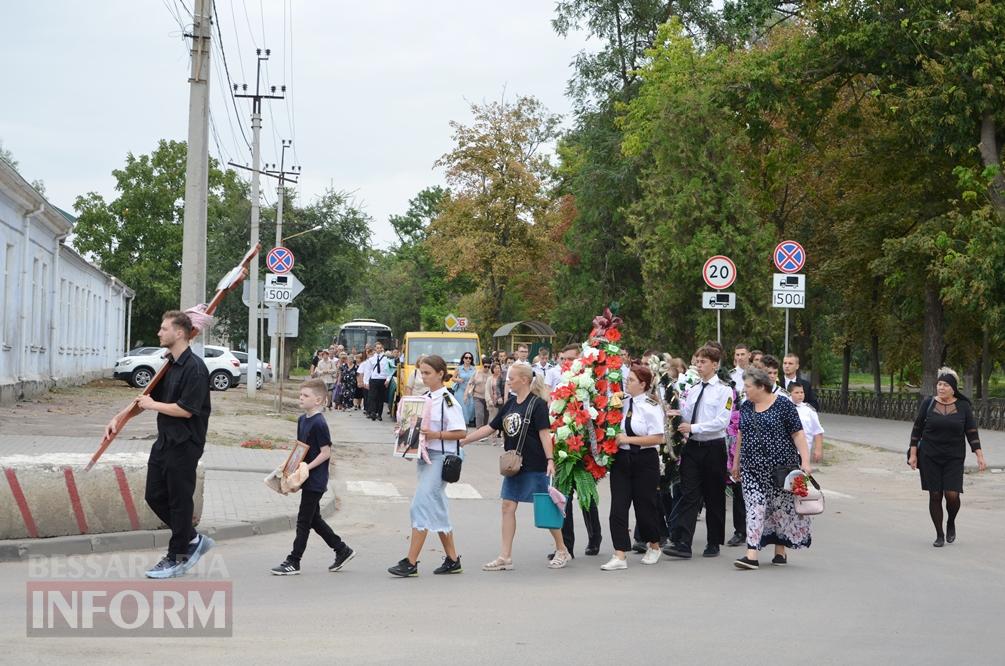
x=871, y=590
x=896, y=435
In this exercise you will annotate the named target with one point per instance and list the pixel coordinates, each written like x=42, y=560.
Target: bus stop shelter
x=534, y=334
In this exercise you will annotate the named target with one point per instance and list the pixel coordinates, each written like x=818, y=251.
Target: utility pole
x=256, y=128
x=193, y=256
x=281, y=174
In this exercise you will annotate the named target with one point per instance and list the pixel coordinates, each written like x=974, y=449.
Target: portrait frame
x=408, y=428
x=296, y=457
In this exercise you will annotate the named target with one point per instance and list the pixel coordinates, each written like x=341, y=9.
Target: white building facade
x=63, y=321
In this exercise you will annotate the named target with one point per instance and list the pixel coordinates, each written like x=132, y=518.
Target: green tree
x=493, y=226
x=138, y=235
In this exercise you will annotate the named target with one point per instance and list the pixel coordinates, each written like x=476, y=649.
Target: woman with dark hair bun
x=635, y=476
x=442, y=428
x=945, y=424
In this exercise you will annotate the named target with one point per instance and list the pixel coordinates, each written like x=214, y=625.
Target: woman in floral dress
x=347, y=376
x=771, y=436
x=465, y=373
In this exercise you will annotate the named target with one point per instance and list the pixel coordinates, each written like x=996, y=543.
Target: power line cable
x=226, y=69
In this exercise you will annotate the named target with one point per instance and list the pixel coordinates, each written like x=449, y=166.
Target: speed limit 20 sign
x=719, y=272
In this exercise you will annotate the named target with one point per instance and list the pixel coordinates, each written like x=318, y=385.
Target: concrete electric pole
x=256, y=128
x=281, y=174
x=193, y=256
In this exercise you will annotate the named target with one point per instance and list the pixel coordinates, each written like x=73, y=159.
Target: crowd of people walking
x=693, y=435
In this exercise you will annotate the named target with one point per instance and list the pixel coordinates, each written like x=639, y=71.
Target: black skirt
x=940, y=471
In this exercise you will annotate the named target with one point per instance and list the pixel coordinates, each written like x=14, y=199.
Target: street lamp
x=301, y=233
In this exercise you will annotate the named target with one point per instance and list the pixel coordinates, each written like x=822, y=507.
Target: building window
x=8, y=314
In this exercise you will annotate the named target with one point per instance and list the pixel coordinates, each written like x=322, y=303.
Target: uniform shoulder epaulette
x=449, y=400
x=650, y=401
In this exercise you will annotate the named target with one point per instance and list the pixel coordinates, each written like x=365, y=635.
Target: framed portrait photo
x=407, y=431
x=296, y=457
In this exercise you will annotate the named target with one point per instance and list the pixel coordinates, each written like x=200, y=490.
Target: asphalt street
x=871, y=589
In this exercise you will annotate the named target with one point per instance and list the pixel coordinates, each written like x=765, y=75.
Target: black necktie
x=694, y=414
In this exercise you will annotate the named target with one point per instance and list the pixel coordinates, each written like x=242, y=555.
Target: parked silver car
x=264, y=369
x=138, y=370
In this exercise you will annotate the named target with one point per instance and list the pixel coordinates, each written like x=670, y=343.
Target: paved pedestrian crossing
x=389, y=490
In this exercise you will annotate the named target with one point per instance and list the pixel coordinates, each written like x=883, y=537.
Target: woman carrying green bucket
x=526, y=429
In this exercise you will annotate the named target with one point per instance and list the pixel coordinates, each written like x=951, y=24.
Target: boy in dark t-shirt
x=312, y=429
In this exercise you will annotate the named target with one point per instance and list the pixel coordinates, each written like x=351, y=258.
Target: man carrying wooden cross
x=181, y=401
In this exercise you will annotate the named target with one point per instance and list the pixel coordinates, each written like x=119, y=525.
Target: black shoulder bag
x=451, y=461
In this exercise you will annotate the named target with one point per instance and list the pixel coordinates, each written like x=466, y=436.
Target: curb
x=89, y=544
x=967, y=467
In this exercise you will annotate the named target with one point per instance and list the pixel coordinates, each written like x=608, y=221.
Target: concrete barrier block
x=50, y=495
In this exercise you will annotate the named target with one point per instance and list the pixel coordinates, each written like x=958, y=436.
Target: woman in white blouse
x=635, y=476
x=443, y=426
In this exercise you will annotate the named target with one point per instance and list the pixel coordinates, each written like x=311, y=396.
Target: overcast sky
x=372, y=86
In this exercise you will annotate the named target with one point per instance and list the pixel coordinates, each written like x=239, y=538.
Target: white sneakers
x=615, y=564
x=652, y=556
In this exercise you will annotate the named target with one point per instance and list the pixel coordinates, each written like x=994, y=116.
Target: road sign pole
x=786, y=331
x=718, y=326
x=282, y=354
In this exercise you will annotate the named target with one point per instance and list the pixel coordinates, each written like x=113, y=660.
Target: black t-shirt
x=510, y=419
x=186, y=384
x=313, y=431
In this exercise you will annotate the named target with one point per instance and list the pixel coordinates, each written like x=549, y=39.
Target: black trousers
x=591, y=517
x=376, y=396
x=664, y=505
x=170, y=489
x=635, y=480
x=703, y=477
x=739, y=510
x=309, y=518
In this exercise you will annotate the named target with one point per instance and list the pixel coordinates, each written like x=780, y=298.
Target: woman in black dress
x=938, y=448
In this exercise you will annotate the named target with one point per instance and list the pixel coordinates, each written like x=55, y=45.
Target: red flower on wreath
x=602, y=386
x=574, y=442
x=613, y=335
x=610, y=447
x=597, y=471
x=615, y=362
x=600, y=402
x=600, y=370
x=582, y=417
x=564, y=392
x=614, y=417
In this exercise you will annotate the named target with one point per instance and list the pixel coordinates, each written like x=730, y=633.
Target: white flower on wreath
x=563, y=433
x=590, y=351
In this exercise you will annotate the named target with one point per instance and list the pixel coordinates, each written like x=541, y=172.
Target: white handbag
x=813, y=503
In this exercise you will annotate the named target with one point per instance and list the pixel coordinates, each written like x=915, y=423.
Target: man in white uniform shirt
x=705, y=413
x=364, y=370
x=554, y=375
x=522, y=354
x=811, y=422
x=381, y=371
x=591, y=516
x=741, y=361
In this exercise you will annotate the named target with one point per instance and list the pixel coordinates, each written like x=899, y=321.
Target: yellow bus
x=451, y=346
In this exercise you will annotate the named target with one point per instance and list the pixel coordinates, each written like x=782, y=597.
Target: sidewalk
x=896, y=435
x=235, y=503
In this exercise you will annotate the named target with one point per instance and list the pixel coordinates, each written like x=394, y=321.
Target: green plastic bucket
x=546, y=513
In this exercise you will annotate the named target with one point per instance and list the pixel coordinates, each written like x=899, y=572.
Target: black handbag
x=780, y=473
x=451, y=472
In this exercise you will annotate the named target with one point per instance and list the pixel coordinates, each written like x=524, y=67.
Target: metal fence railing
x=990, y=412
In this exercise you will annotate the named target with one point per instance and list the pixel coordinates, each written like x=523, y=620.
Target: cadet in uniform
x=635, y=477
x=705, y=412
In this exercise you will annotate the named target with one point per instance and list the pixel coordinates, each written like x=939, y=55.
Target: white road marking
x=462, y=491
x=372, y=488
